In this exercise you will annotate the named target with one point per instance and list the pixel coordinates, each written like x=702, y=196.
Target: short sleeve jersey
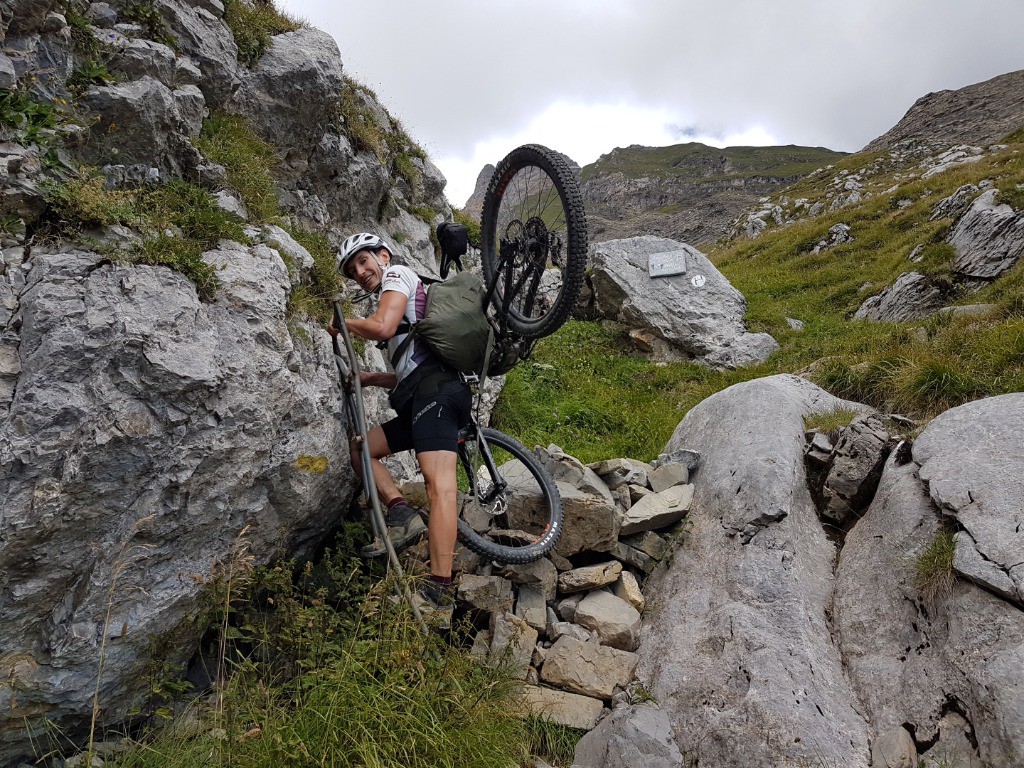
x=402, y=279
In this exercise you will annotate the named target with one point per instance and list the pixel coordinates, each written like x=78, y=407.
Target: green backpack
x=455, y=324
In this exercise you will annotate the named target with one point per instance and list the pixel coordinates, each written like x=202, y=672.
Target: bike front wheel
x=533, y=239
x=509, y=508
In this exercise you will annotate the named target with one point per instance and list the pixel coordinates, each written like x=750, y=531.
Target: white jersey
x=405, y=281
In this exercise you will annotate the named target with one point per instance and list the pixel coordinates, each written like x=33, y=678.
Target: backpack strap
x=404, y=345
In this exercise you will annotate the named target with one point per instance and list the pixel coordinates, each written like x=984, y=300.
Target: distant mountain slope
x=978, y=114
x=690, y=192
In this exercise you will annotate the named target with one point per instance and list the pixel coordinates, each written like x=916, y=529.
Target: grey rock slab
x=700, y=317
x=894, y=749
x=202, y=35
x=568, y=629
x=657, y=510
x=628, y=588
x=988, y=238
x=588, y=577
x=745, y=350
x=632, y=557
x=911, y=297
x=8, y=76
x=971, y=459
x=819, y=449
x=568, y=469
x=541, y=573
x=531, y=606
x=590, y=522
x=566, y=608
x=857, y=461
x=613, y=620
x=586, y=668
x=637, y=492
x=664, y=477
x=951, y=206
x=618, y=472
x=969, y=563
x=569, y=709
x=648, y=542
x=485, y=593
x=138, y=58
x=749, y=589
x=631, y=737
x=512, y=643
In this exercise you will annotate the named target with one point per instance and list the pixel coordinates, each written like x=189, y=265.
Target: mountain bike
x=533, y=249
x=533, y=258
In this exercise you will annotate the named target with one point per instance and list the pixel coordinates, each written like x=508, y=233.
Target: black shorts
x=431, y=422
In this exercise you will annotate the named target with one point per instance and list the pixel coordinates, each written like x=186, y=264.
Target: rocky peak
x=978, y=114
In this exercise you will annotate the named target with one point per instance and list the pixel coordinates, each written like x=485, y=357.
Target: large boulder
x=988, y=238
x=911, y=297
x=698, y=314
x=954, y=663
x=737, y=645
x=152, y=447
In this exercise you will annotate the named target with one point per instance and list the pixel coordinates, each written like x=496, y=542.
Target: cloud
x=467, y=78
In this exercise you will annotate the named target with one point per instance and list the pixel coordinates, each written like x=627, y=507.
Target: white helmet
x=356, y=243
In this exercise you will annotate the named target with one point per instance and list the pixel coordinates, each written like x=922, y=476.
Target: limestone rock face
x=148, y=443
x=587, y=668
x=749, y=594
x=700, y=320
x=292, y=92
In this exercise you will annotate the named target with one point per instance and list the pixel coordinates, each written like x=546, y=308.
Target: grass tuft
x=327, y=670
x=253, y=24
x=229, y=141
x=933, y=569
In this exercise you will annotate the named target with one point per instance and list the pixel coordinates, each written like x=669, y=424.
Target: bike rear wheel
x=533, y=236
x=509, y=508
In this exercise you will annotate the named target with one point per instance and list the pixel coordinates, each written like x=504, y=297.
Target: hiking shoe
x=436, y=603
x=404, y=527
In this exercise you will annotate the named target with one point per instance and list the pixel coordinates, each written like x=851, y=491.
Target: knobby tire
x=530, y=505
x=533, y=206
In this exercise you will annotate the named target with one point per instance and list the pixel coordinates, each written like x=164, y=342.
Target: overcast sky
x=472, y=79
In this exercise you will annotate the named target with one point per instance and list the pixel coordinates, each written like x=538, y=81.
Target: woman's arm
x=382, y=324
x=375, y=379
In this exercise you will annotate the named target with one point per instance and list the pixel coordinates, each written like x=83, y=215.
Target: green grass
x=229, y=141
x=30, y=121
x=830, y=422
x=360, y=115
x=585, y=392
x=326, y=670
x=178, y=222
x=253, y=25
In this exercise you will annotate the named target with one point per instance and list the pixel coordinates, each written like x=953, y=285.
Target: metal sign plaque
x=666, y=264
